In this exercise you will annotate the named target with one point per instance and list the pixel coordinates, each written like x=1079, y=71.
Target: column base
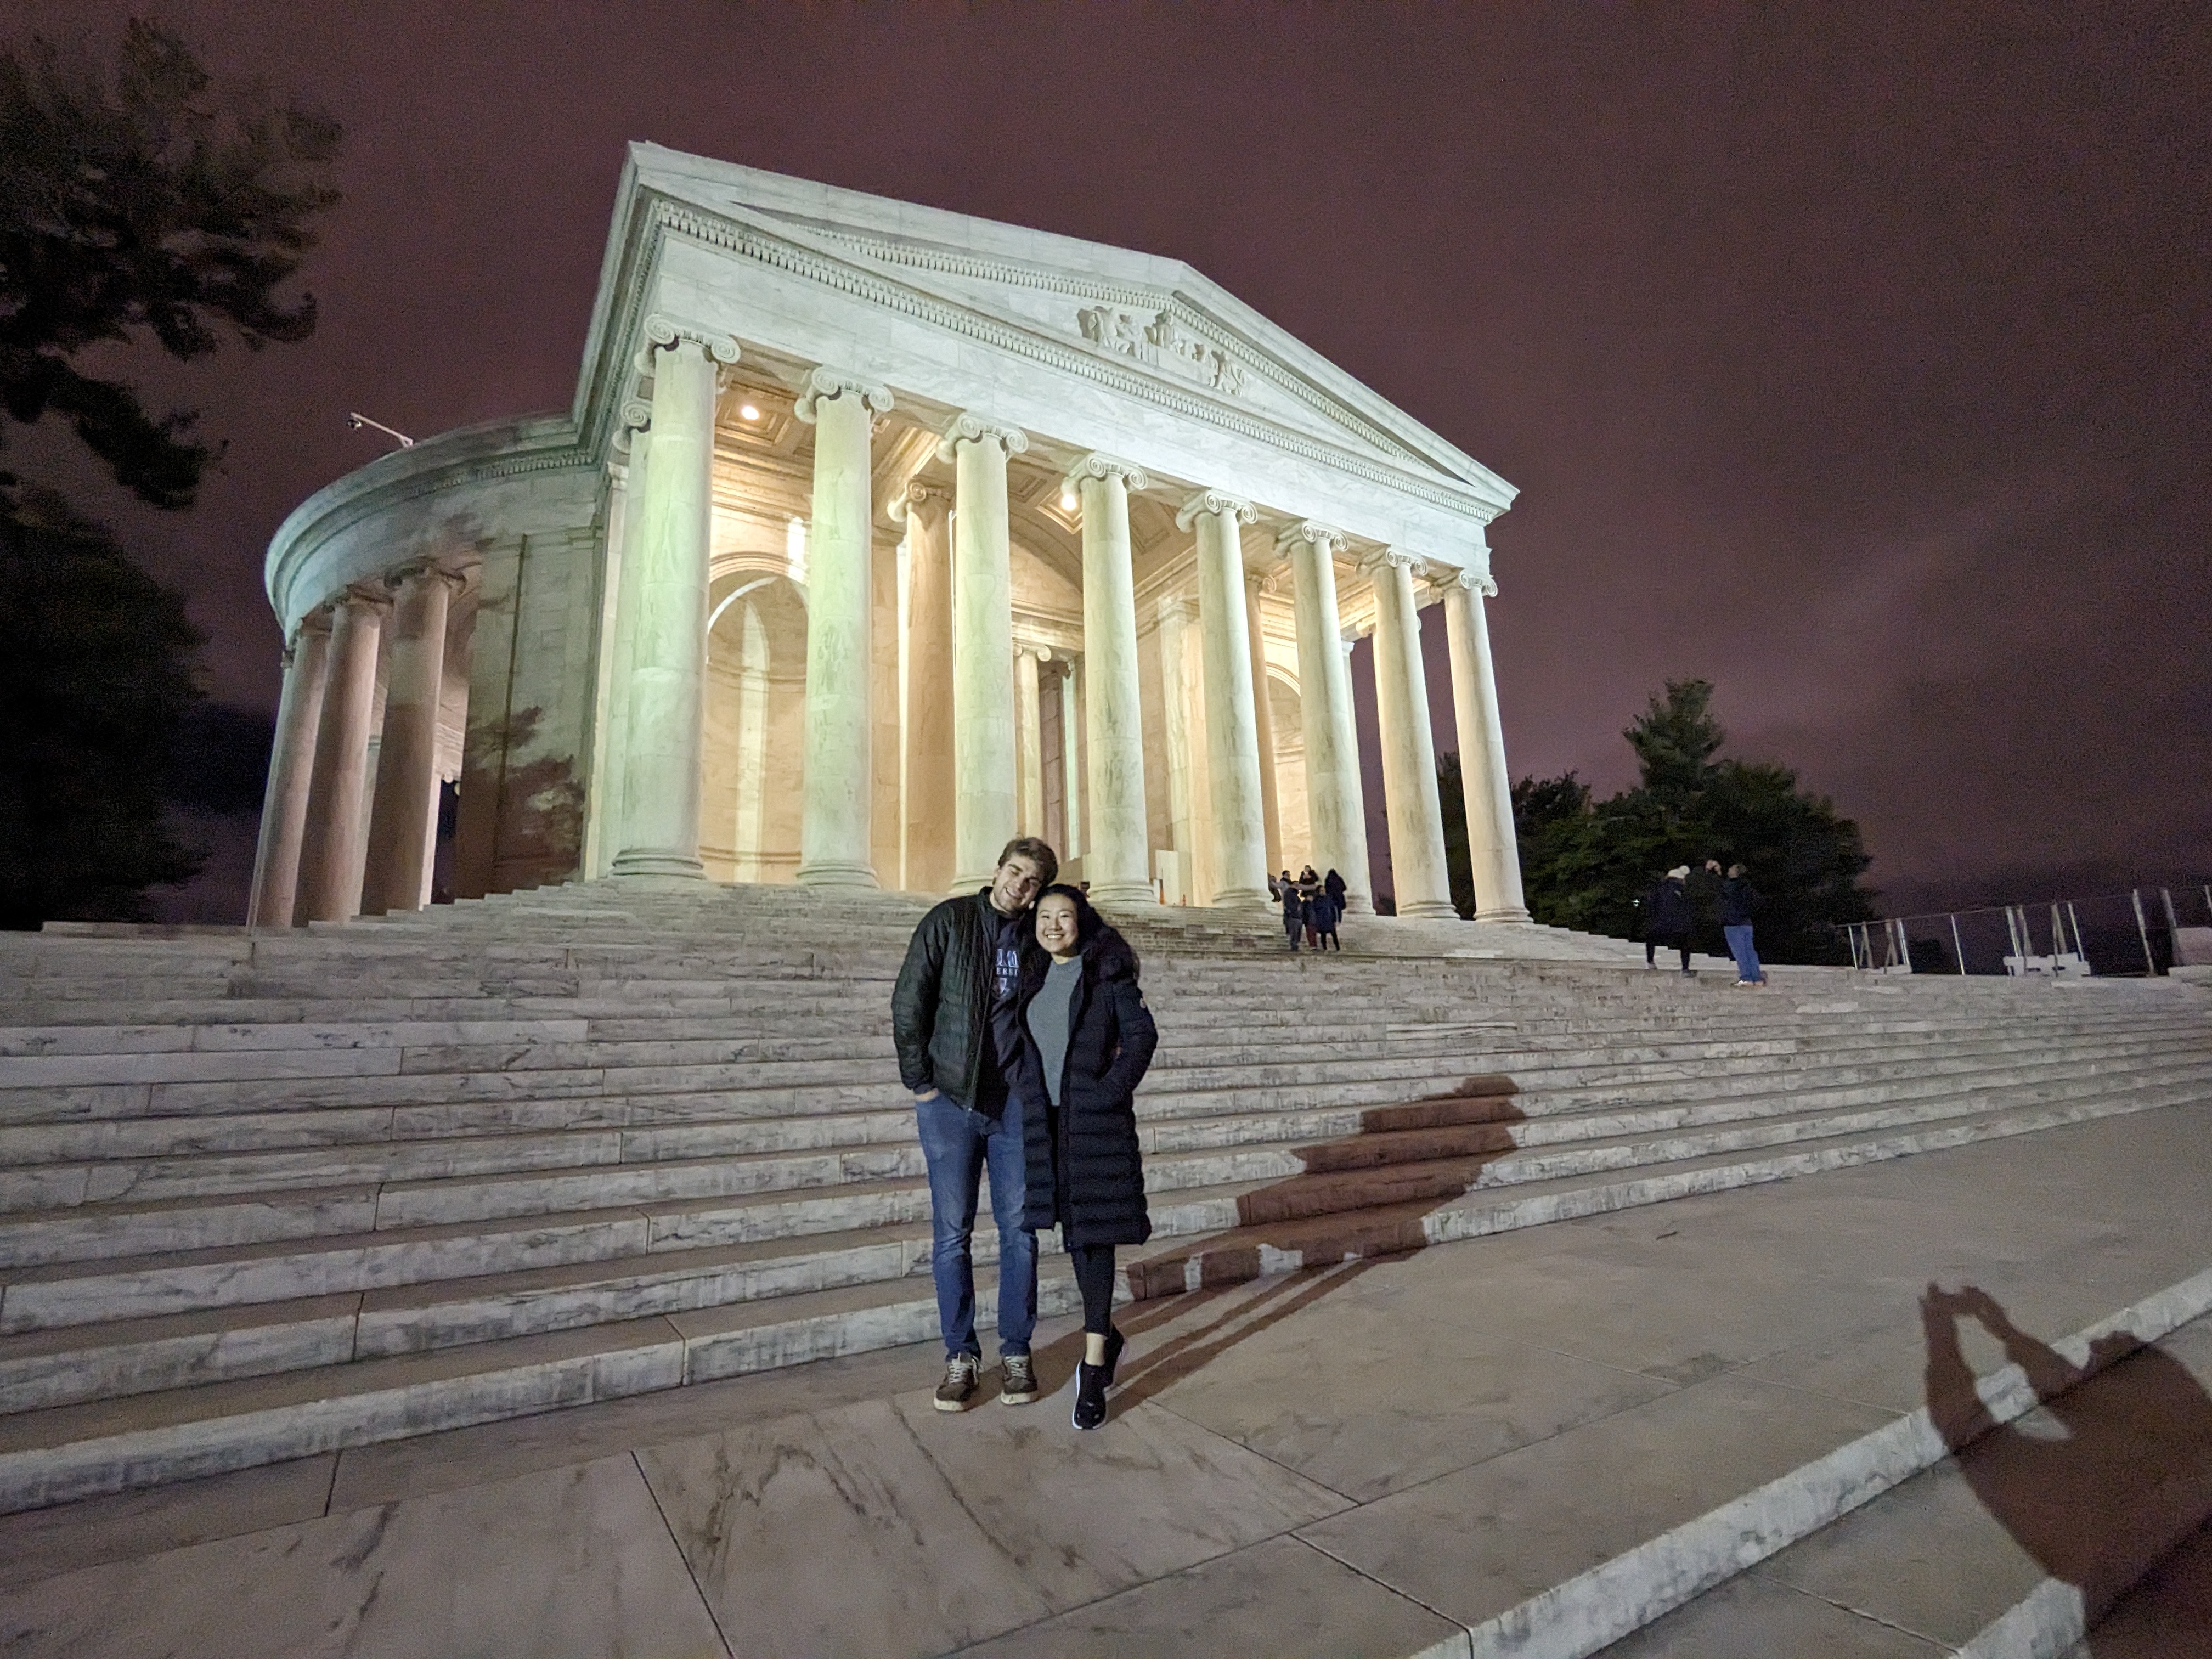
x=1242, y=899
x=838, y=875
x=1359, y=904
x=1429, y=910
x=1512, y=915
x=644, y=861
x=1109, y=893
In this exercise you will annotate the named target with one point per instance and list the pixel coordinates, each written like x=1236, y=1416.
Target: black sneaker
x=1020, y=1386
x=957, y=1392
x=1089, y=1397
x=1115, y=1343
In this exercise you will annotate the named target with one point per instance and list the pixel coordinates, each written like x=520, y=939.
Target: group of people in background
x=1022, y=1033
x=1312, y=906
x=1668, y=918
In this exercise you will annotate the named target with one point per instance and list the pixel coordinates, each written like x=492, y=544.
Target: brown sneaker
x=957, y=1392
x=1020, y=1387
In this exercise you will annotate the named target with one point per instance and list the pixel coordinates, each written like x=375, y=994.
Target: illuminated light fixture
x=748, y=413
x=1068, y=500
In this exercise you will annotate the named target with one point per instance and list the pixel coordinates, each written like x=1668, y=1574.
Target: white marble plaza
x=875, y=535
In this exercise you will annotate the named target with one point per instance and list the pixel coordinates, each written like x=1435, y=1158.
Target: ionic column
x=1490, y=842
x=665, y=568
x=401, y=822
x=330, y=846
x=1176, y=613
x=1263, y=720
x=835, y=843
x=930, y=796
x=1115, y=855
x=1029, y=724
x=983, y=662
x=1071, y=763
x=1232, y=745
x=1417, y=870
x=611, y=690
x=1334, y=801
x=291, y=765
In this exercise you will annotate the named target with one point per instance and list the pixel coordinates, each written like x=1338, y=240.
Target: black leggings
x=1094, y=1276
x=1651, y=954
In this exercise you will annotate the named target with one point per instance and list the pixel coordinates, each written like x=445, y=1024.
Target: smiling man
x=960, y=1054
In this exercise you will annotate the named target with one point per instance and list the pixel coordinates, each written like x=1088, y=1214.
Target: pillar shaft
x=665, y=568
x=610, y=689
x=1334, y=801
x=1029, y=725
x=1417, y=872
x=984, y=805
x=835, y=832
x=1263, y=722
x=1115, y=858
x=329, y=850
x=291, y=766
x=930, y=795
x=1232, y=745
x=1492, y=847
x=401, y=824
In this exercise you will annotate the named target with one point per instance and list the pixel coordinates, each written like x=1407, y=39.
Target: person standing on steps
x=1333, y=885
x=1090, y=1037
x=1667, y=917
x=1321, y=913
x=960, y=1054
x=1739, y=900
x=1310, y=889
x=1294, y=911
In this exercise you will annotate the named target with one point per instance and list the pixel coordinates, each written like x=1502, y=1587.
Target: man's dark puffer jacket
x=941, y=1005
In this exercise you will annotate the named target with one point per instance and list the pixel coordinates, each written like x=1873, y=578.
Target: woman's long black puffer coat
x=1084, y=1173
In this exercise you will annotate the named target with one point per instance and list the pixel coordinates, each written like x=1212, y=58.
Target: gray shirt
x=1048, y=1010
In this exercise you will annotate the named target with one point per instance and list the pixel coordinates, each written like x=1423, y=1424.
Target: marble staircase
x=263, y=1196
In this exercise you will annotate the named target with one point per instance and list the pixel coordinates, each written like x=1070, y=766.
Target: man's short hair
x=1038, y=853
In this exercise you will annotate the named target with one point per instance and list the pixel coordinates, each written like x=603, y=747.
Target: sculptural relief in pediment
x=1162, y=342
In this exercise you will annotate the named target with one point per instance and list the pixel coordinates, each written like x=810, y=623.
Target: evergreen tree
x=1585, y=864
x=140, y=205
x=96, y=686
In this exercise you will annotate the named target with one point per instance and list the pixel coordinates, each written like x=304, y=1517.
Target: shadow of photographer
x=2111, y=1470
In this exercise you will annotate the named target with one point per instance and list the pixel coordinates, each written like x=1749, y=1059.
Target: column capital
x=665, y=333
x=918, y=492
x=636, y=414
x=1305, y=530
x=1235, y=507
x=316, y=621
x=370, y=595
x=1392, y=558
x=971, y=427
x=823, y=381
x=1469, y=581
x=1097, y=465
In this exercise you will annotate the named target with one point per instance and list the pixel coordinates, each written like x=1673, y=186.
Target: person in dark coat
x=957, y=1032
x=1322, y=912
x=1294, y=910
x=1090, y=1037
x=1667, y=917
x=1333, y=885
x=1738, y=902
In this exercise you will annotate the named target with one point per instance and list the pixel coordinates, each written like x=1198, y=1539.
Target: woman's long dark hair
x=1089, y=924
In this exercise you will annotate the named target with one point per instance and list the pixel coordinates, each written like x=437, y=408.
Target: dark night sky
x=1855, y=358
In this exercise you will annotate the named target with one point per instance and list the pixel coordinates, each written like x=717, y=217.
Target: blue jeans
x=1747, y=958
x=957, y=1144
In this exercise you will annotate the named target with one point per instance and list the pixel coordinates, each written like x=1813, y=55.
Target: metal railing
x=2143, y=931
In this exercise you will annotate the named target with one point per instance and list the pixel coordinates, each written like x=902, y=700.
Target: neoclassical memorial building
x=876, y=535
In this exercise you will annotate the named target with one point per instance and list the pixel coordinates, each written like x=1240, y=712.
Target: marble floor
x=1357, y=1463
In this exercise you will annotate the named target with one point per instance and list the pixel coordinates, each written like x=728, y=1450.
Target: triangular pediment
x=1131, y=311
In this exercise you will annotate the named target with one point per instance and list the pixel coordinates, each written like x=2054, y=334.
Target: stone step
x=321, y=1080
x=164, y=1157
x=616, y=1164
x=416, y=1245
x=71, y=1451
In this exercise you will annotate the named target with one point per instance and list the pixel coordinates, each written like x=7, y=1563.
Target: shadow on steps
x=1357, y=1198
